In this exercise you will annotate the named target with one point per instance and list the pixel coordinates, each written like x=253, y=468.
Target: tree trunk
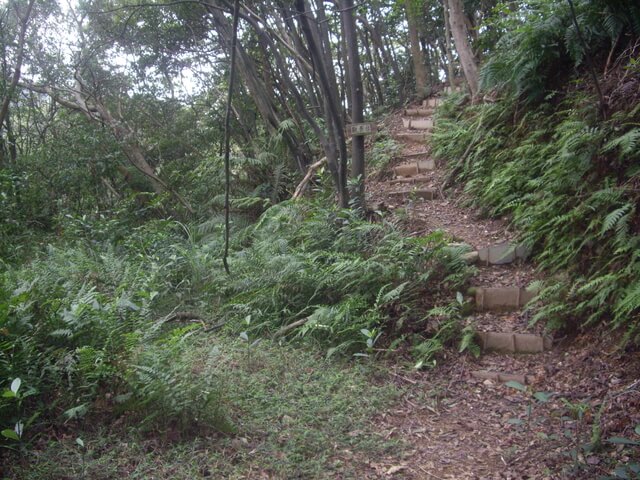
x=419, y=68
x=447, y=43
x=324, y=70
x=10, y=89
x=461, y=39
x=253, y=81
x=357, y=101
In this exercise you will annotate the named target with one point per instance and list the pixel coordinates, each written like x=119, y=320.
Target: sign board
x=362, y=128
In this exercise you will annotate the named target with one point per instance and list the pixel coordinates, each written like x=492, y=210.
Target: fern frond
x=612, y=220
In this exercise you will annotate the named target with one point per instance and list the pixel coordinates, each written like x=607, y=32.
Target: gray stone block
x=426, y=165
x=501, y=377
x=413, y=137
x=422, y=193
x=513, y=342
x=406, y=170
x=418, y=124
x=503, y=253
x=502, y=299
x=418, y=112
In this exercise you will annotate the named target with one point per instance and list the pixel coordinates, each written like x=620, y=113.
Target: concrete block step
x=406, y=170
x=470, y=257
x=405, y=180
x=426, y=165
x=418, y=112
x=422, y=193
x=503, y=253
x=424, y=153
x=431, y=102
x=502, y=377
x=508, y=342
x=418, y=124
x=501, y=299
x=414, y=168
x=413, y=137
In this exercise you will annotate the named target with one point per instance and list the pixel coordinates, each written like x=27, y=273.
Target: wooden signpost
x=358, y=129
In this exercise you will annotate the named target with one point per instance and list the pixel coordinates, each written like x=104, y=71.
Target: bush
x=336, y=274
x=566, y=179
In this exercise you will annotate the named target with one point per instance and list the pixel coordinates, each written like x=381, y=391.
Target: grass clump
x=295, y=415
x=145, y=330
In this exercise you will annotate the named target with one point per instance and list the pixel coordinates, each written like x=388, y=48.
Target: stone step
x=470, y=257
x=422, y=193
x=426, y=165
x=418, y=124
x=418, y=112
x=503, y=253
x=406, y=170
x=431, y=102
x=501, y=299
x=509, y=342
x=405, y=180
x=413, y=137
x=502, y=377
x=416, y=154
x=414, y=168
x=455, y=88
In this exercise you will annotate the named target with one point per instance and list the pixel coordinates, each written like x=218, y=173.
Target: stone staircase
x=504, y=340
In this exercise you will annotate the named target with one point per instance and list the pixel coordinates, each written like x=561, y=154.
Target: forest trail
x=460, y=420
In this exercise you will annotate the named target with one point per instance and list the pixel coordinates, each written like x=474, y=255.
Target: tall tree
x=319, y=50
x=357, y=101
x=412, y=9
x=447, y=43
x=9, y=87
x=460, y=33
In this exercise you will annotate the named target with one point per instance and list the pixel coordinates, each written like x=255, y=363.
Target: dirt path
x=460, y=419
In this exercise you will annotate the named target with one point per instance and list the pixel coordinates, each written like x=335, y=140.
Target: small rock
x=396, y=469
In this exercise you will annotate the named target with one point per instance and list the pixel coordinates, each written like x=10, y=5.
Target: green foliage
x=292, y=410
x=89, y=327
x=539, y=39
x=172, y=382
x=382, y=154
x=334, y=272
x=566, y=181
x=75, y=318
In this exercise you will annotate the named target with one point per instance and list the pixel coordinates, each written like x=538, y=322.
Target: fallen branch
x=302, y=186
x=184, y=316
x=291, y=326
x=412, y=382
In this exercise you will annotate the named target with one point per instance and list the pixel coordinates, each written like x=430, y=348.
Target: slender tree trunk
x=419, y=68
x=324, y=69
x=378, y=71
x=468, y=60
x=259, y=92
x=447, y=43
x=357, y=100
x=8, y=94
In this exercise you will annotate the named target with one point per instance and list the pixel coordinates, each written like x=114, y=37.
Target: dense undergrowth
x=118, y=326
x=542, y=155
